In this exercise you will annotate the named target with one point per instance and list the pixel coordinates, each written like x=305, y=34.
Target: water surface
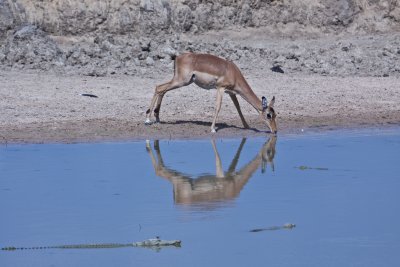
x=341, y=189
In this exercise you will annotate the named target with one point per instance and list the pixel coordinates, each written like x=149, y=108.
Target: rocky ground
x=98, y=38
x=341, y=63
x=367, y=55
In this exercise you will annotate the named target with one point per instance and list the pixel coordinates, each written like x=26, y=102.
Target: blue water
x=341, y=189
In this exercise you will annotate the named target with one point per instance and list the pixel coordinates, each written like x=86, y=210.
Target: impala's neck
x=248, y=94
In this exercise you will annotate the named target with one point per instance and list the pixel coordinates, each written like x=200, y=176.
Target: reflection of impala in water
x=211, y=188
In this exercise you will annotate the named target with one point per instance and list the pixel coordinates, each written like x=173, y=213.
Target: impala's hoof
x=148, y=122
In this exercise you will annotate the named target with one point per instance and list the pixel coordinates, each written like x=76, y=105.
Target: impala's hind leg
x=159, y=93
x=152, y=103
x=158, y=107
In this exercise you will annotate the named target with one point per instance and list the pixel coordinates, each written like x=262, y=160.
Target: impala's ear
x=264, y=102
x=272, y=102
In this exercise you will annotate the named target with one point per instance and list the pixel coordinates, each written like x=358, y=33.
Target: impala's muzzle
x=268, y=114
x=272, y=126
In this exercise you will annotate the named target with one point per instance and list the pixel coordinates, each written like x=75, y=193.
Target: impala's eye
x=269, y=116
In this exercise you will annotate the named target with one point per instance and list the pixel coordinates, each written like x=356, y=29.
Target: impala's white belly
x=205, y=80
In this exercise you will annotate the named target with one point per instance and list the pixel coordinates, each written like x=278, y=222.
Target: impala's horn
x=264, y=103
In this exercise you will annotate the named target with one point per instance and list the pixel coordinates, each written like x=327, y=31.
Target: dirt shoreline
x=44, y=107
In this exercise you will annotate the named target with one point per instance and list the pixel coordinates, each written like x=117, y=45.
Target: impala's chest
x=205, y=80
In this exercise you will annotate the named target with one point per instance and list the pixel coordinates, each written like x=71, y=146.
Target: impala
x=209, y=72
x=208, y=188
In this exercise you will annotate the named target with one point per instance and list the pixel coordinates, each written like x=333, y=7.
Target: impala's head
x=268, y=114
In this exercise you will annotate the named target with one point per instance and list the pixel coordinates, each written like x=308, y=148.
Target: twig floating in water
x=89, y=95
x=288, y=226
x=303, y=168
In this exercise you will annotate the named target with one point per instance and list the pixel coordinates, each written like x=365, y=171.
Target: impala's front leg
x=220, y=92
x=236, y=103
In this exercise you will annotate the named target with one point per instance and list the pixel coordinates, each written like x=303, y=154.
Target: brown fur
x=209, y=71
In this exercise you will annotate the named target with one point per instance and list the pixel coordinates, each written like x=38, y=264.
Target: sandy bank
x=44, y=107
